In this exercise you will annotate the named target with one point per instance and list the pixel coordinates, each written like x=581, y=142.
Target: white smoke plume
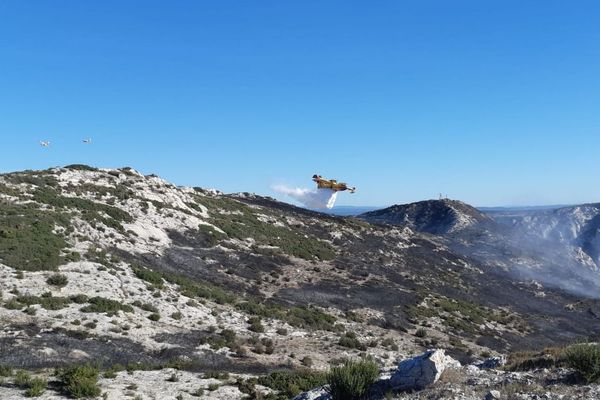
x=311, y=198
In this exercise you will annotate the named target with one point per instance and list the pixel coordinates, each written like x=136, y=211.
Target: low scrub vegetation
x=290, y=383
x=461, y=315
x=80, y=167
x=301, y=317
x=256, y=325
x=148, y=275
x=350, y=341
x=58, y=280
x=206, y=290
x=36, y=387
x=352, y=379
x=47, y=301
x=226, y=338
x=5, y=370
x=240, y=222
x=213, y=237
x=103, y=305
x=89, y=210
x=585, y=359
x=80, y=381
x=582, y=357
x=27, y=237
x=530, y=360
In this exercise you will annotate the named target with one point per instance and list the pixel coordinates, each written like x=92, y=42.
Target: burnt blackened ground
x=371, y=271
x=30, y=347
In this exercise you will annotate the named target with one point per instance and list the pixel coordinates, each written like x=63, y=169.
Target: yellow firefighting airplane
x=331, y=184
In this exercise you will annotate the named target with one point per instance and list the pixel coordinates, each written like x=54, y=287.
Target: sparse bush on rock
x=59, y=280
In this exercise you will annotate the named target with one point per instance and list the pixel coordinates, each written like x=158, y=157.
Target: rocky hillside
x=557, y=247
x=577, y=226
x=431, y=216
x=182, y=292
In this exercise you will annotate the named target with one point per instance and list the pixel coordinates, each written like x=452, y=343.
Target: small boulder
x=319, y=393
x=492, y=362
x=421, y=371
x=78, y=354
x=47, y=351
x=492, y=395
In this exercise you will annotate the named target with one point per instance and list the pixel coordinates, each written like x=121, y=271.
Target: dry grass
x=528, y=360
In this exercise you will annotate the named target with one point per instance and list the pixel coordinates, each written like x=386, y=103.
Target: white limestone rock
x=419, y=372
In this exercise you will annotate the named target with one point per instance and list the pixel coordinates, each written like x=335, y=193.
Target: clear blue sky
x=492, y=102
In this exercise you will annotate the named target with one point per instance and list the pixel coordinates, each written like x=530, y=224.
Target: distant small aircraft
x=45, y=143
x=87, y=141
x=331, y=184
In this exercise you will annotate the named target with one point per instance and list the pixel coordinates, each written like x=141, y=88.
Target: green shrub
x=206, y=290
x=80, y=167
x=177, y=315
x=304, y=317
x=220, y=375
x=256, y=325
x=59, y=280
x=27, y=237
x=148, y=275
x=30, y=310
x=352, y=379
x=90, y=211
x=154, y=317
x=585, y=359
x=307, y=361
x=349, y=340
x=79, y=298
x=213, y=236
x=22, y=379
x=247, y=386
x=421, y=333
x=291, y=383
x=227, y=338
x=5, y=370
x=48, y=302
x=102, y=305
x=90, y=325
x=13, y=304
x=110, y=374
x=80, y=380
x=145, y=306
x=36, y=387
